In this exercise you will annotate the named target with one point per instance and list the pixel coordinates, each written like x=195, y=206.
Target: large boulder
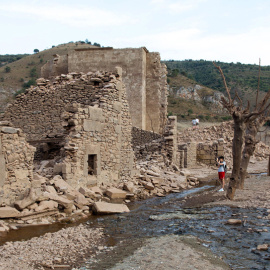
x=27, y=200
x=8, y=212
x=66, y=203
x=109, y=208
x=44, y=205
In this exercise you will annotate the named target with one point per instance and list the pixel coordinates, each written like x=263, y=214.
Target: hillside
x=23, y=72
x=187, y=99
x=240, y=77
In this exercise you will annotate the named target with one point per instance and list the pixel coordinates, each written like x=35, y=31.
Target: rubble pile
x=52, y=200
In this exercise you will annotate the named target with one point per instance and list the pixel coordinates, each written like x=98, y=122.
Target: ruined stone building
x=81, y=122
x=90, y=126
x=143, y=75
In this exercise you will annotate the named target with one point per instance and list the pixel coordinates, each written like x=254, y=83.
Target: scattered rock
x=115, y=193
x=8, y=212
x=234, y=221
x=109, y=208
x=263, y=247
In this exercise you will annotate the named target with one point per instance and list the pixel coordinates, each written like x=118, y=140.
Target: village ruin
x=97, y=119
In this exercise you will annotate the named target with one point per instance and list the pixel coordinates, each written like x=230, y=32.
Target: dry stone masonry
x=83, y=121
x=16, y=163
x=143, y=74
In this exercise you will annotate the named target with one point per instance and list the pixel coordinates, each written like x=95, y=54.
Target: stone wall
x=186, y=155
x=141, y=137
x=170, y=137
x=38, y=111
x=143, y=75
x=55, y=67
x=103, y=132
x=16, y=164
x=85, y=115
x=208, y=153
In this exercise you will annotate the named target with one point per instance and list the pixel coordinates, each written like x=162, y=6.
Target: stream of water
x=164, y=215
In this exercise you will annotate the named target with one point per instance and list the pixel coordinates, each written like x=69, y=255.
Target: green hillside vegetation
x=240, y=77
x=189, y=109
x=9, y=58
x=22, y=73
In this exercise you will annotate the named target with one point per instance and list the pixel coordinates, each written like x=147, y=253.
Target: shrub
x=190, y=111
x=201, y=116
x=207, y=117
x=2, y=79
x=170, y=113
x=7, y=69
x=33, y=73
x=226, y=118
x=29, y=83
x=21, y=79
x=36, y=50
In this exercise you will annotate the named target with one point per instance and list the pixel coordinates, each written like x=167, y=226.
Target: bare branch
x=248, y=107
x=258, y=88
x=264, y=101
x=252, y=116
x=224, y=81
x=240, y=100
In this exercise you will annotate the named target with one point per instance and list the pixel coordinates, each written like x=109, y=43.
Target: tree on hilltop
x=36, y=50
x=247, y=122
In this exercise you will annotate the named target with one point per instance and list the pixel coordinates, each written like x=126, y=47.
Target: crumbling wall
x=132, y=62
x=141, y=137
x=38, y=111
x=163, y=97
x=153, y=91
x=208, y=153
x=170, y=137
x=16, y=164
x=57, y=66
x=186, y=155
x=96, y=126
x=143, y=74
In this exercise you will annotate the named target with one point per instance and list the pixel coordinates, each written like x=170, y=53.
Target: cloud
x=72, y=16
x=193, y=43
x=176, y=6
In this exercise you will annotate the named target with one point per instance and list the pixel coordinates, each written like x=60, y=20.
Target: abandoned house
x=143, y=75
x=89, y=125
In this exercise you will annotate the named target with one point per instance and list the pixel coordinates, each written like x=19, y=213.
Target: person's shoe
x=221, y=189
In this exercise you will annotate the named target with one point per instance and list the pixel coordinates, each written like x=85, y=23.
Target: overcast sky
x=225, y=30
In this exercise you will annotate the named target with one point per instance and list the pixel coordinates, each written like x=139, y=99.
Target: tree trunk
x=238, y=140
x=249, y=148
x=268, y=169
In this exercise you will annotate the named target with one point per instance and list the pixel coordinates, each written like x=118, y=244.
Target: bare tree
x=247, y=122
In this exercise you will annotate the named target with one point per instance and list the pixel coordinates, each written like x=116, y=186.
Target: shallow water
x=231, y=242
x=160, y=216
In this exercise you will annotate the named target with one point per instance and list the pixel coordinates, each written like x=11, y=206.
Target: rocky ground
x=60, y=250
x=69, y=247
x=171, y=252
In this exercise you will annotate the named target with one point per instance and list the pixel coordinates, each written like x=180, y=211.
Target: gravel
x=63, y=248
